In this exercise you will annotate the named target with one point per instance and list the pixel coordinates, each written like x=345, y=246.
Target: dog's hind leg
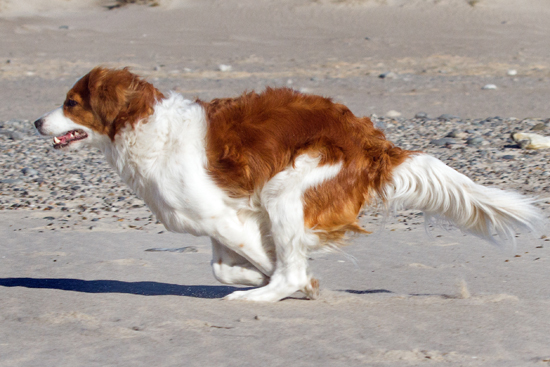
x=282, y=199
x=231, y=268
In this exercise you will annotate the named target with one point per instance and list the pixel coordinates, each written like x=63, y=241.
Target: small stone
x=508, y=157
x=421, y=115
x=443, y=141
x=388, y=75
x=380, y=125
x=448, y=117
x=539, y=127
x=27, y=171
x=456, y=134
x=10, y=180
x=475, y=141
x=489, y=87
x=225, y=68
x=393, y=114
x=512, y=72
x=13, y=135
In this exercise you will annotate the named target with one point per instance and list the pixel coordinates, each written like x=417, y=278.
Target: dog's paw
x=263, y=294
x=254, y=295
x=312, y=289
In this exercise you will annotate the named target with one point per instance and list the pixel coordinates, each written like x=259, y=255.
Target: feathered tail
x=425, y=183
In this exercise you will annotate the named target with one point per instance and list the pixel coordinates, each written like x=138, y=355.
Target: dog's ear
x=118, y=97
x=108, y=93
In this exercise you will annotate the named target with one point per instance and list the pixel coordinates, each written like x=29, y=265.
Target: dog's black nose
x=38, y=123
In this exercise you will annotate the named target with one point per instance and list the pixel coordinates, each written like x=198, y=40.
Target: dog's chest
x=178, y=190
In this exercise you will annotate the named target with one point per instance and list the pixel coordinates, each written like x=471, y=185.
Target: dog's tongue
x=63, y=138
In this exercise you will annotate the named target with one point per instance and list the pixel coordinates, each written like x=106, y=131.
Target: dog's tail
x=425, y=183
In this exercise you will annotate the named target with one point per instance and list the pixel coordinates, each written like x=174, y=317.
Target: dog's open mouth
x=64, y=140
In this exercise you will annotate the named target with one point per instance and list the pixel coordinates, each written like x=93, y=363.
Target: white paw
x=263, y=294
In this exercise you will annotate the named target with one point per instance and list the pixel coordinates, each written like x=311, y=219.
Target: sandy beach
x=89, y=277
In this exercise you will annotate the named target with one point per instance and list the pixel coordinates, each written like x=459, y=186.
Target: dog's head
x=97, y=107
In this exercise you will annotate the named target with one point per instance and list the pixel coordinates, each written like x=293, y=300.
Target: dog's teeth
x=56, y=140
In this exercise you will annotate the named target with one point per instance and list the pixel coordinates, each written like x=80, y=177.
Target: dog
x=267, y=176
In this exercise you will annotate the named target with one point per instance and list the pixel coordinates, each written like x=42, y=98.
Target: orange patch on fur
x=107, y=100
x=255, y=136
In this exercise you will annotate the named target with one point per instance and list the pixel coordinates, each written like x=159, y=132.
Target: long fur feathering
x=425, y=183
x=308, y=164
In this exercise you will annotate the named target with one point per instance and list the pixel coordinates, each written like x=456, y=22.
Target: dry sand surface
x=77, y=286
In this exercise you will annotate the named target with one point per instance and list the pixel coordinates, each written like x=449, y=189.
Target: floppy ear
x=107, y=93
x=118, y=97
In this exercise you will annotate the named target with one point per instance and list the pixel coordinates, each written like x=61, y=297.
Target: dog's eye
x=70, y=103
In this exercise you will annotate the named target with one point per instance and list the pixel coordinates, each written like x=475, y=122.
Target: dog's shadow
x=137, y=288
x=117, y=286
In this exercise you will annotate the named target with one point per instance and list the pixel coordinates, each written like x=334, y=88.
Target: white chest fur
x=163, y=160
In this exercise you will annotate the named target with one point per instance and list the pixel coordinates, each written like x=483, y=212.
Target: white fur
x=281, y=198
x=425, y=183
x=262, y=240
x=254, y=241
x=56, y=124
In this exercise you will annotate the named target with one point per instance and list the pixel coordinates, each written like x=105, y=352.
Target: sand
x=75, y=296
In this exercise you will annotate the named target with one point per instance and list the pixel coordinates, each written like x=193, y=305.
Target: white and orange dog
x=268, y=177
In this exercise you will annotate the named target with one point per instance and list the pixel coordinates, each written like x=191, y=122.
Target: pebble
x=13, y=135
x=489, y=87
x=421, y=115
x=27, y=171
x=225, y=68
x=512, y=72
x=388, y=75
x=539, y=127
x=443, y=141
x=457, y=134
x=475, y=141
x=379, y=125
x=393, y=114
x=448, y=117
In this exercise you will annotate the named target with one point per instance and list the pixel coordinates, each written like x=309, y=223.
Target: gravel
x=79, y=189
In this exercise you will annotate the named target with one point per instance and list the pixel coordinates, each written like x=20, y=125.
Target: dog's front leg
x=231, y=268
x=245, y=240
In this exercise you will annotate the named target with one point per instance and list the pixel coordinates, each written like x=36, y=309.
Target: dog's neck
x=147, y=152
